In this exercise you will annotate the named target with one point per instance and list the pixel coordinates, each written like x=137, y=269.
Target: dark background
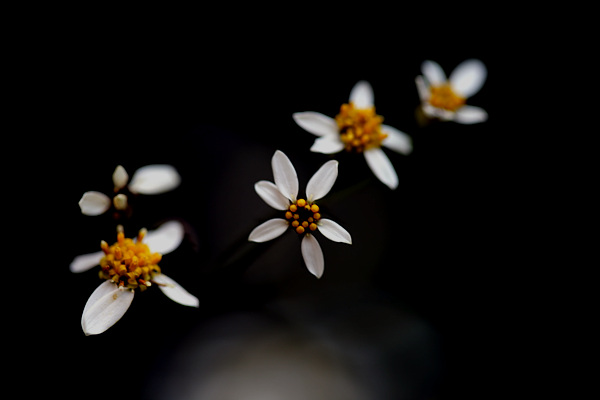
x=443, y=253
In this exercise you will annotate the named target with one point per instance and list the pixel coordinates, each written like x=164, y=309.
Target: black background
x=445, y=249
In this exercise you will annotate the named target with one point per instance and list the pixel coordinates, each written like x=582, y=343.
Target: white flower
x=151, y=179
x=126, y=266
x=357, y=128
x=302, y=215
x=445, y=98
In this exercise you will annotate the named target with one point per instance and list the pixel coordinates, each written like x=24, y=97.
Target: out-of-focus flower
x=358, y=129
x=302, y=215
x=151, y=179
x=126, y=266
x=445, y=98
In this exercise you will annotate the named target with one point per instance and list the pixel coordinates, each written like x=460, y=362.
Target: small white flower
x=302, y=215
x=129, y=265
x=151, y=179
x=445, y=98
x=357, y=128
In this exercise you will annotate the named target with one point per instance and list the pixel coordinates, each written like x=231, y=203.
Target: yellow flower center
x=443, y=97
x=129, y=264
x=303, y=216
x=360, y=129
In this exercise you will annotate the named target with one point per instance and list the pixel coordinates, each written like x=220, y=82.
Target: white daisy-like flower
x=126, y=266
x=358, y=129
x=445, y=98
x=301, y=215
x=151, y=179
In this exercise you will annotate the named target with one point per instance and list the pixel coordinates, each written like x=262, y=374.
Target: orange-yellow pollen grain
x=317, y=216
x=288, y=215
x=293, y=208
x=313, y=227
x=301, y=202
x=314, y=208
x=300, y=229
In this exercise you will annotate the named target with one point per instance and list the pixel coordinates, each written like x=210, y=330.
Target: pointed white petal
x=435, y=112
x=362, y=95
x=285, y=175
x=105, y=307
x=271, y=195
x=154, y=179
x=396, y=140
x=327, y=145
x=268, y=230
x=470, y=115
x=382, y=167
x=86, y=262
x=120, y=177
x=165, y=238
x=316, y=123
x=432, y=71
x=468, y=77
x=322, y=181
x=313, y=255
x=334, y=231
x=174, y=291
x=422, y=88
x=94, y=203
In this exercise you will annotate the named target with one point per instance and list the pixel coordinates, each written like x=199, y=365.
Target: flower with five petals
x=301, y=215
x=358, y=129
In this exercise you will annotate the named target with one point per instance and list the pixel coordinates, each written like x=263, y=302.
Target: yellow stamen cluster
x=360, y=129
x=444, y=97
x=303, y=216
x=129, y=264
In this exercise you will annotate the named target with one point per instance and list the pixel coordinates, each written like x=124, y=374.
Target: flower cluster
x=131, y=265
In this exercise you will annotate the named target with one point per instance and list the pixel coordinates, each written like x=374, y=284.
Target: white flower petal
x=396, y=140
x=322, y=181
x=362, y=95
x=313, y=255
x=334, y=231
x=165, y=238
x=435, y=112
x=285, y=175
x=94, y=203
x=470, y=115
x=174, y=291
x=316, y=123
x=382, y=167
x=468, y=77
x=86, y=262
x=154, y=179
x=271, y=195
x=268, y=230
x=105, y=307
x=432, y=71
x=120, y=177
x=327, y=145
x=422, y=88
